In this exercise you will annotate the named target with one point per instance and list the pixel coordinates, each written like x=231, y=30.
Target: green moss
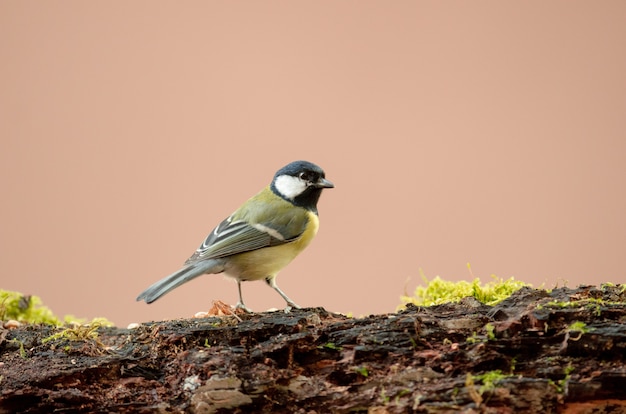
x=384, y=398
x=593, y=304
x=331, y=346
x=439, y=291
x=78, y=333
x=579, y=326
x=609, y=285
x=562, y=384
x=473, y=339
x=489, y=380
x=14, y=305
x=489, y=335
x=30, y=309
x=362, y=371
x=490, y=331
x=23, y=354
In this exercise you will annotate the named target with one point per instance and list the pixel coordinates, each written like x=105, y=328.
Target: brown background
x=484, y=132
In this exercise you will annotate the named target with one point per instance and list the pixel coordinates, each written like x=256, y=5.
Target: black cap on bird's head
x=301, y=183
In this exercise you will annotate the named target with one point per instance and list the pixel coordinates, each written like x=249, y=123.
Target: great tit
x=266, y=233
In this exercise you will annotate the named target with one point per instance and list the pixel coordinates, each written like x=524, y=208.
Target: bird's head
x=301, y=182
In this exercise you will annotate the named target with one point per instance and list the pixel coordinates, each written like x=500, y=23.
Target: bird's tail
x=176, y=279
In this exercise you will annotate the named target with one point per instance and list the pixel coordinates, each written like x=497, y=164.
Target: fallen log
x=559, y=351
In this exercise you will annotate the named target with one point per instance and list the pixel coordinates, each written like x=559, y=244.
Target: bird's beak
x=324, y=183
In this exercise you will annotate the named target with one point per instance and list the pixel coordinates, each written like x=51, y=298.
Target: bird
x=261, y=237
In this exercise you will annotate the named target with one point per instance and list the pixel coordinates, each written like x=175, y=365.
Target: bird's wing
x=243, y=232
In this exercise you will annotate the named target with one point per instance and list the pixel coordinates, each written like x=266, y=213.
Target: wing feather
x=248, y=230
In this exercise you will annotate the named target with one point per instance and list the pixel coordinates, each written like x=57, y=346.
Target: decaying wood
x=421, y=360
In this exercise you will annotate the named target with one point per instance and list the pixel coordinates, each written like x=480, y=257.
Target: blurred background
x=484, y=132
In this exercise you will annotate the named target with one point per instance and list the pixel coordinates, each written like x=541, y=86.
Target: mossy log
x=561, y=351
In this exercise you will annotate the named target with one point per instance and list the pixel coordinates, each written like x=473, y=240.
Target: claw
x=243, y=307
x=290, y=306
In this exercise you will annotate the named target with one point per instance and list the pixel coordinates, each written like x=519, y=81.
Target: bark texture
x=561, y=351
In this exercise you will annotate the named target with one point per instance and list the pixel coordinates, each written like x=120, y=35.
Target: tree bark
x=538, y=351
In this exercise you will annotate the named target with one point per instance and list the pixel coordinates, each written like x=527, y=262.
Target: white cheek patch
x=290, y=187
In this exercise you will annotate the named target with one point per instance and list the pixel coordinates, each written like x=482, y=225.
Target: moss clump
x=579, y=326
x=78, y=333
x=439, y=291
x=30, y=309
x=14, y=305
x=489, y=380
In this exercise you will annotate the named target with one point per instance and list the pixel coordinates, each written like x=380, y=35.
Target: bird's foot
x=291, y=306
x=243, y=307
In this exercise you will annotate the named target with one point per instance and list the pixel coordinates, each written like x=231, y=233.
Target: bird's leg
x=271, y=281
x=240, y=304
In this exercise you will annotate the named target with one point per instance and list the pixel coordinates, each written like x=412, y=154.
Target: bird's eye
x=305, y=176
